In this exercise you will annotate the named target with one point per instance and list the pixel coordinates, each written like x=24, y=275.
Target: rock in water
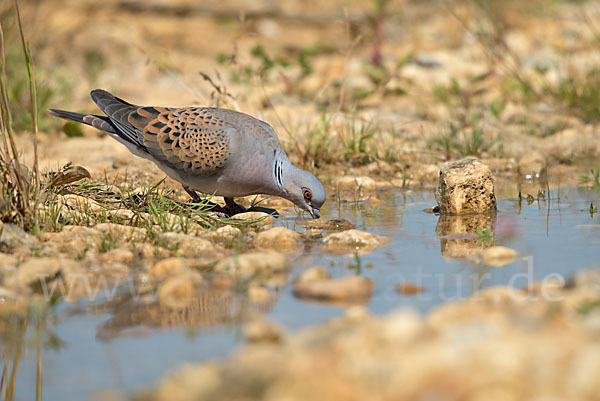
x=466, y=186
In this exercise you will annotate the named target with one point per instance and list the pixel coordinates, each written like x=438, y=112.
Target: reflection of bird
x=207, y=149
x=212, y=307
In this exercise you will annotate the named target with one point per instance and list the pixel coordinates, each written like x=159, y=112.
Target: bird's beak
x=315, y=213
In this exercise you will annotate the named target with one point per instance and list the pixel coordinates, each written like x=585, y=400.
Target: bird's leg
x=232, y=207
x=213, y=207
x=193, y=194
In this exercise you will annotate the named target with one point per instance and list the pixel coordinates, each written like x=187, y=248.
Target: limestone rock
x=124, y=233
x=353, y=241
x=262, y=330
x=278, y=238
x=224, y=235
x=169, y=266
x=12, y=236
x=189, y=246
x=74, y=240
x=313, y=274
x=249, y=264
x=406, y=288
x=465, y=186
x=36, y=271
x=347, y=289
x=255, y=218
x=119, y=255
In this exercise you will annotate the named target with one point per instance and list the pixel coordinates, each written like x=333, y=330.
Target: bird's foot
x=195, y=197
x=233, y=208
x=266, y=210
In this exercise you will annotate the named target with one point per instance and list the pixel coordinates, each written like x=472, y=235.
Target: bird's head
x=305, y=190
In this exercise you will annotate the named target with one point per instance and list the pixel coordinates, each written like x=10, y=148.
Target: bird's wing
x=193, y=139
x=189, y=139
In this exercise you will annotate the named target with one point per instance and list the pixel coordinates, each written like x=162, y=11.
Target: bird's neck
x=284, y=175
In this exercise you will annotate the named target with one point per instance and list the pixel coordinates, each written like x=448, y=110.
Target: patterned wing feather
x=191, y=139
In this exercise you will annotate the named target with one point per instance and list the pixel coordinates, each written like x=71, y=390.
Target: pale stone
x=347, y=289
x=119, y=255
x=406, y=288
x=169, y=266
x=258, y=294
x=313, y=274
x=353, y=241
x=255, y=218
x=36, y=271
x=122, y=232
x=13, y=236
x=263, y=330
x=278, y=238
x=249, y=264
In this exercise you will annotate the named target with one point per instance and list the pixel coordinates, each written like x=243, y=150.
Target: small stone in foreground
x=263, y=331
x=249, y=264
x=406, y=288
x=352, y=289
x=465, y=186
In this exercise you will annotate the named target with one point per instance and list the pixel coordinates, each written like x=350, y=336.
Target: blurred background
x=410, y=83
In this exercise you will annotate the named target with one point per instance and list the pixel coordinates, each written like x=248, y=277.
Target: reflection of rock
x=465, y=186
x=498, y=256
x=459, y=235
x=178, y=290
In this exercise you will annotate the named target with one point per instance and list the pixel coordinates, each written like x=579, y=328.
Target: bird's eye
x=307, y=194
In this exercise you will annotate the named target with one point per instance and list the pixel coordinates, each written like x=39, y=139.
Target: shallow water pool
x=121, y=345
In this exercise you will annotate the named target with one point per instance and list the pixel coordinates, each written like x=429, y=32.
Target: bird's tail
x=102, y=123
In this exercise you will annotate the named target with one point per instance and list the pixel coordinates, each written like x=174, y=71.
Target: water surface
x=118, y=345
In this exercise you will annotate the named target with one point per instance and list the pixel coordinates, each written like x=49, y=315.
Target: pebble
x=313, y=274
x=169, y=266
x=278, y=238
x=124, y=233
x=255, y=218
x=263, y=331
x=12, y=236
x=346, y=289
x=35, y=271
x=224, y=235
x=407, y=288
x=119, y=255
x=258, y=293
x=249, y=264
x=353, y=241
